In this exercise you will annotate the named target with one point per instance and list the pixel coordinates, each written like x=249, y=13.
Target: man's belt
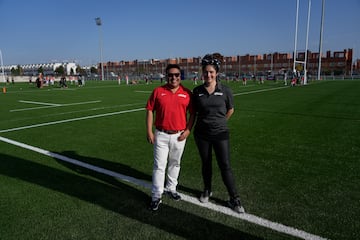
x=169, y=131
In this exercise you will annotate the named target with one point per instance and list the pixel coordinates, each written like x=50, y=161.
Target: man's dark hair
x=169, y=66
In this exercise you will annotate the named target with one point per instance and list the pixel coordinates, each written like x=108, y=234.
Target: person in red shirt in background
x=169, y=105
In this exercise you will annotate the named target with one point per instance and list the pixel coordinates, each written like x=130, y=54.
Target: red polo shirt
x=170, y=108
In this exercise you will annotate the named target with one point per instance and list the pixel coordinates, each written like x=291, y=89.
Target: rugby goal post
x=304, y=63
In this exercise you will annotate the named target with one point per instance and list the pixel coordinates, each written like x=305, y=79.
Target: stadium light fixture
x=99, y=23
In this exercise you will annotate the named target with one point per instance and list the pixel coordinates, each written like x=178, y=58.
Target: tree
x=93, y=70
x=60, y=70
x=41, y=70
x=80, y=70
x=18, y=71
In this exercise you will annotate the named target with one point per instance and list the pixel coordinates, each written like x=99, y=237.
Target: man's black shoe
x=173, y=195
x=154, y=205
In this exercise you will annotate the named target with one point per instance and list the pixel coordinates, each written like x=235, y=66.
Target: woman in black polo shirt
x=213, y=103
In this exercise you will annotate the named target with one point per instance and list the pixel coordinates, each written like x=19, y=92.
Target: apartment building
x=337, y=63
x=47, y=68
x=332, y=63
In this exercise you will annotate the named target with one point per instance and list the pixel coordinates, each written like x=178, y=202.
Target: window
x=339, y=55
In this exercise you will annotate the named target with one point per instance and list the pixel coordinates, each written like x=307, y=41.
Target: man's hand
x=150, y=138
x=184, y=135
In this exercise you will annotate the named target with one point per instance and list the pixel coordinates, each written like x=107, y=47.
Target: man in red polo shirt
x=169, y=104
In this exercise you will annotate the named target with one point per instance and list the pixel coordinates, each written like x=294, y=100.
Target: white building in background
x=48, y=68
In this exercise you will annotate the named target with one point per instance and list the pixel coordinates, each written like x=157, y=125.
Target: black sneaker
x=235, y=204
x=204, y=197
x=154, y=205
x=173, y=195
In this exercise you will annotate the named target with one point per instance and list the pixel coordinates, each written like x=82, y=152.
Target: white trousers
x=168, y=151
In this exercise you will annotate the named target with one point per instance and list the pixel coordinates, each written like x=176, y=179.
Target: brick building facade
x=332, y=63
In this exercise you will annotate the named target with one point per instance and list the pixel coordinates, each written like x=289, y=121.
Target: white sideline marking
x=78, y=163
x=222, y=209
x=70, y=120
x=256, y=91
x=49, y=105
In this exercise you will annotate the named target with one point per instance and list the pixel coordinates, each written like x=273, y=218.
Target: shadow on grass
x=108, y=165
x=122, y=169
x=117, y=197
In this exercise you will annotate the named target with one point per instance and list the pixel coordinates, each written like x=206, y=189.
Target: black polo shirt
x=211, y=111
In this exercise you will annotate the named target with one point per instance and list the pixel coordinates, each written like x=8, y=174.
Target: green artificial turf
x=294, y=152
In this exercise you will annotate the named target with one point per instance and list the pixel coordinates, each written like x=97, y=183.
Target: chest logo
x=218, y=93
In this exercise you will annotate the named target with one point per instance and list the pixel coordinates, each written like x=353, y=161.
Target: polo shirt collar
x=166, y=86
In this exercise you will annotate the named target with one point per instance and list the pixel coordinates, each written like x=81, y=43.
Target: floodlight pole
x=2, y=66
x=98, y=23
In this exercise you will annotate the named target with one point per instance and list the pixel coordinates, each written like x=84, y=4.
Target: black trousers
x=222, y=152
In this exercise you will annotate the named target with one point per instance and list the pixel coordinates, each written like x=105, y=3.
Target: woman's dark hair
x=169, y=66
x=214, y=59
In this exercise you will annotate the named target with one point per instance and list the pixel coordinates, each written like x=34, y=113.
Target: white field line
x=257, y=91
x=33, y=108
x=78, y=111
x=222, y=209
x=138, y=91
x=78, y=163
x=70, y=120
x=41, y=103
x=49, y=105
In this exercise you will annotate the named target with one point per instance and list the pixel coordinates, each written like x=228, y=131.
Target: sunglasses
x=173, y=74
x=212, y=61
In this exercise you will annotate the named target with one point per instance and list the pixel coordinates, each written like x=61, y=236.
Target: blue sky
x=39, y=31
